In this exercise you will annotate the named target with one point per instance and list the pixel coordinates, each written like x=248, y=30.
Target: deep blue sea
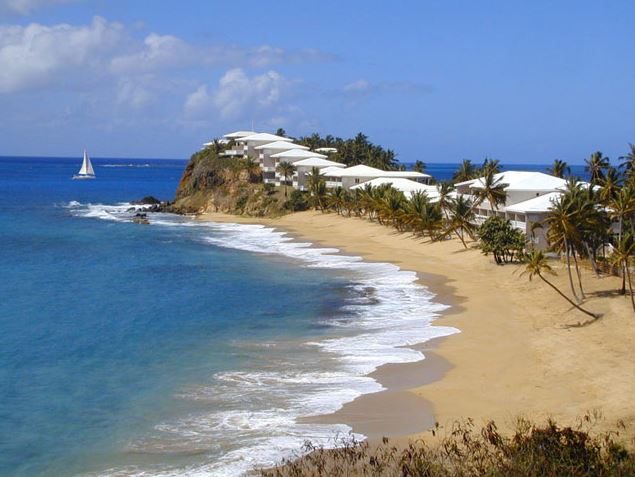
x=180, y=347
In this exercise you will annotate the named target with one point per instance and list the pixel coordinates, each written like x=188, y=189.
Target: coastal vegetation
x=530, y=451
x=358, y=150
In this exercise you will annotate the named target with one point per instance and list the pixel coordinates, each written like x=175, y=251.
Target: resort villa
x=269, y=150
x=530, y=195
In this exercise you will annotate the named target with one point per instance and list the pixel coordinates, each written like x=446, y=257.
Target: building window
x=356, y=181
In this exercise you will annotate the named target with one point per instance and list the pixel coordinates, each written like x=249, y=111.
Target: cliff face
x=217, y=184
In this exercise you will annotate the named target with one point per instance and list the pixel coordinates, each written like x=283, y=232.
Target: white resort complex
x=529, y=195
x=269, y=150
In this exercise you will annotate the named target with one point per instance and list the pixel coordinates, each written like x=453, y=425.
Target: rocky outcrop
x=147, y=200
x=211, y=183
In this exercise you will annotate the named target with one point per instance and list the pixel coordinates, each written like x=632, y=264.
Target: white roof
x=367, y=171
x=407, y=186
x=538, y=204
x=297, y=154
x=326, y=149
x=280, y=145
x=237, y=134
x=264, y=138
x=318, y=162
x=404, y=174
x=521, y=180
x=355, y=171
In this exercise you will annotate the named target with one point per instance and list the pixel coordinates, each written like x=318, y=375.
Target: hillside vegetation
x=212, y=183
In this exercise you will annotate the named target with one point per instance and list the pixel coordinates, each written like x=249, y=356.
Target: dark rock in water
x=131, y=209
x=140, y=218
x=147, y=200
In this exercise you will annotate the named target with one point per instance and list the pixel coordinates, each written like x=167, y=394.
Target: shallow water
x=178, y=348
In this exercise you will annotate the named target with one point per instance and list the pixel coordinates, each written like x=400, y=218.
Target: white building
x=347, y=178
x=268, y=162
x=246, y=144
x=407, y=186
x=530, y=195
x=305, y=166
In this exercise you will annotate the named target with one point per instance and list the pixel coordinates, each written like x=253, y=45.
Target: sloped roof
x=541, y=203
x=238, y=134
x=297, y=154
x=522, y=180
x=326, y=149
x=280, y=145
x=264, y=137
x=318, y=162
x=357, y=171
x=407, y=186
x=362, y=170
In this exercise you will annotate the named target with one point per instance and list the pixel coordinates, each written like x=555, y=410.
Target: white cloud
x=359, y=85
x=133, y=94
x=25, y=7
x=36, y=56
x=198, y=103
x=65, y=56
x=237, y=92
x=157, y=52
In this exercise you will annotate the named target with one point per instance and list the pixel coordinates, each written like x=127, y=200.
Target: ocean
x=177, y=348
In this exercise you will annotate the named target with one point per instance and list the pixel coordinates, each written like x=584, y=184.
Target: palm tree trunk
x=630, y=285
x=461, y=237
x=577, y=271
x=567, y=298
x=592, y=259
x=566, y=248
x=623, y=289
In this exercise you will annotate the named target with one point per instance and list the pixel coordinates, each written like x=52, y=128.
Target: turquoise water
x=175, y=348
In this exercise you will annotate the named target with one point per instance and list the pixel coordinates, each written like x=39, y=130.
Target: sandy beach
x=514, y=356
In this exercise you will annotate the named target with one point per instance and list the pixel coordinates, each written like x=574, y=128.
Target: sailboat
x=86, y=171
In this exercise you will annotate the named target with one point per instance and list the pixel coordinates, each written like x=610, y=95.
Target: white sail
x=87, y=167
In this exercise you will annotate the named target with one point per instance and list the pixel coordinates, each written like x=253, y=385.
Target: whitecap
x=388, y=311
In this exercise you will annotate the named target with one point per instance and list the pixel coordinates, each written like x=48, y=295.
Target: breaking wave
x=254, y=418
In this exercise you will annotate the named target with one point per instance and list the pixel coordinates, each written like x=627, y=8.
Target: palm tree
x=537, y=266
x=444, y=189
x=492, y=189
x=562, y=231
x=621, y=257
x=596, y=165
x=559, y=168
x=419, y=166
x=628, y=161
x=465, y=172
x=622, y=207
x=490, y=165
x=281, y=132
x=610, y=185
x=285, y=169
x=461, y=219
x=317, y=187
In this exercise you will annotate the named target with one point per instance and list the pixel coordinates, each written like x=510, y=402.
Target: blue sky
x=523, y=82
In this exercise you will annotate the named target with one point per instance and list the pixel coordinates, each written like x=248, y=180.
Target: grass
x=467, y=451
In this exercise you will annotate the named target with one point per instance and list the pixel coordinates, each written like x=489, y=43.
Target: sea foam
x=257, y=415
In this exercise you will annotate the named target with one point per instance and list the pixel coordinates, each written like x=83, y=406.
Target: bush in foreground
x=533, y=451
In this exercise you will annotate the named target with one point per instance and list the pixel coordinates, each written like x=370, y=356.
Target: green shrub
x=497, y=236
x=297, y=201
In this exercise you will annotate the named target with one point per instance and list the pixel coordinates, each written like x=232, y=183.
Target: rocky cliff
x=211, y=183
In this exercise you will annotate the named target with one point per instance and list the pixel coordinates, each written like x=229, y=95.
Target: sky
x=438, y=81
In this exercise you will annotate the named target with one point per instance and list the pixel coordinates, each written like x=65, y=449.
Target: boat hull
x=82, y=177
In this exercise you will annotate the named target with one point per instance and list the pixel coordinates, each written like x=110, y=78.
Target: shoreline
x=512, y=358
